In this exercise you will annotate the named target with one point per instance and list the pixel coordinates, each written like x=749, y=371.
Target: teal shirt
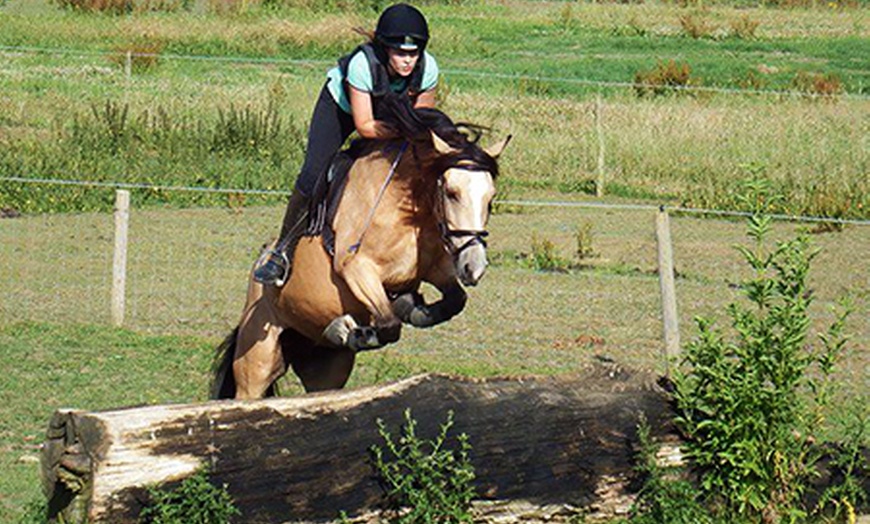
x=359, y=75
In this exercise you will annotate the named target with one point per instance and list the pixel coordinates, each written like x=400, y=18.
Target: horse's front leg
x=363, y=280
x=412, y=309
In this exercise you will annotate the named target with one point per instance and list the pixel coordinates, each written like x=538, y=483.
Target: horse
x=412, y=210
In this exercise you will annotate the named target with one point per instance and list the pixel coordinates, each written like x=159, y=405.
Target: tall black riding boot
x=275, y=270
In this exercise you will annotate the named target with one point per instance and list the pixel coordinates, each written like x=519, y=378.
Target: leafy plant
x=194, y=501
x=742, y=401
x=425, y=481
x=664, y=497
x=247, y=131
x=842, y=499
x=544, y=256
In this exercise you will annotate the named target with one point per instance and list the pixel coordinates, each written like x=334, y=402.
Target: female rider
x=394, y=60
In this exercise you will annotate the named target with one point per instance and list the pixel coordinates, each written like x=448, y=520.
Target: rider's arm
x=364, y=118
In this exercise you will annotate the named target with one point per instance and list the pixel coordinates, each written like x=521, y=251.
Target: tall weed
x=425, y=480
x=195, y=500
x=752, y=404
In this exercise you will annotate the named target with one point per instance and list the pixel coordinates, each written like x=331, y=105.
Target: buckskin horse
x=412, y=210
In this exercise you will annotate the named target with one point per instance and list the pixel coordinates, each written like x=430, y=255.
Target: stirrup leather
x=264, y=260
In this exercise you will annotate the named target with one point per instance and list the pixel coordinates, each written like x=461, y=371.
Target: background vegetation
x=221, y=97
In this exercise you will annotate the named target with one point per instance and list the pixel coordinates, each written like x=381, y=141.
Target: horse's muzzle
x=471, y=262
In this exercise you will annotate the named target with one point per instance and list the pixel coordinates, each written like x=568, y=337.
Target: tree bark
x=541, y=447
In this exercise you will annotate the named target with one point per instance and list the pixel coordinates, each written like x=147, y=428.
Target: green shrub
x=425, y=481
x=544, y=256
x=665, y=497
x=247, y=131
x=751, y=405
x=194, y=501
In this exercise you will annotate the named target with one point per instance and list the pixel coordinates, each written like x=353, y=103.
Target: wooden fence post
x=599, y=130
x=671, y=329
x=119, y=264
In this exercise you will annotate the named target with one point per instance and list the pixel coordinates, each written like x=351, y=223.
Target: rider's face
x=402, y=62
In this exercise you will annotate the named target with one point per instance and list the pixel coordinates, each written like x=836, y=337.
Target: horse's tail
x=224, y=383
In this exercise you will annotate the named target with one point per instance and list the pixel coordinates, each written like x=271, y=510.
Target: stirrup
x=265, y=259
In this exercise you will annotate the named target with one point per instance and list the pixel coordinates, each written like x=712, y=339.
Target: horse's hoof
x=404, y=305
x=389, y=333
x=363, y=338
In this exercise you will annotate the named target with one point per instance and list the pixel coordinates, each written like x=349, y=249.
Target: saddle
x=327, y=195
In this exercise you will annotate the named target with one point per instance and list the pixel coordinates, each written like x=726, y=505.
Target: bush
x=751, y=405
x=664, y=498
x=425, y=481
x=544, y=256
x=144, y=54
x=666, y=78
x=194, y=501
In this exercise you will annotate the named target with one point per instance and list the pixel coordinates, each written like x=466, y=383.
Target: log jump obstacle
x=541, y=447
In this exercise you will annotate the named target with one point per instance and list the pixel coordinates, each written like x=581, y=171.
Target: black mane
x=416, y=125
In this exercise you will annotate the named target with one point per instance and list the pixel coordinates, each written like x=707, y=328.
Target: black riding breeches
x=329, y=128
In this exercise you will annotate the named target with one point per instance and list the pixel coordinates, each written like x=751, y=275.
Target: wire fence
x=187, y=274
x=129, y=56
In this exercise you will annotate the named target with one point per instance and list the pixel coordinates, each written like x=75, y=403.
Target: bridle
x=474, y=236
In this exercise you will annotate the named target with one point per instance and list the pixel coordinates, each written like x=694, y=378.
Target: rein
x=355, y=247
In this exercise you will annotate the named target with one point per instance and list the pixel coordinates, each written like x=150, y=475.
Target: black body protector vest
x=380, y=78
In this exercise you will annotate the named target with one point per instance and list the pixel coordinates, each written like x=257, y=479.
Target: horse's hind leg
x=258, y=361
x=318, y=367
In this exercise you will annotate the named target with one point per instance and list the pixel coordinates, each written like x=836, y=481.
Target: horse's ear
x=496, y=149
x=441, y=145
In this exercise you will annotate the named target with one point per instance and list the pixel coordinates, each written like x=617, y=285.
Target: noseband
x=474, y=236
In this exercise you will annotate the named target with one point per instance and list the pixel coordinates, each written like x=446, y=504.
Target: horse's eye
x=452, y=194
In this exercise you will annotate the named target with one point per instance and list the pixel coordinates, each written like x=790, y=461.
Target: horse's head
x=466, y=188
x=466, y=179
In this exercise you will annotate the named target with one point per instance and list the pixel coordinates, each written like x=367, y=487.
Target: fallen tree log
x=545, y=443
x=543, y=448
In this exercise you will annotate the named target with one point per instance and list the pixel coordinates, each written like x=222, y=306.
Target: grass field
x=518, y=69
x=513, y=65
x=59, y=352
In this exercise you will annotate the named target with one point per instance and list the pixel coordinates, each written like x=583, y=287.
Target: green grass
x=59, y=351
x=49, y=366
x=512, y=66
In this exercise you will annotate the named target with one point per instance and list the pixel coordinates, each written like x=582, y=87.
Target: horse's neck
x=375, y=176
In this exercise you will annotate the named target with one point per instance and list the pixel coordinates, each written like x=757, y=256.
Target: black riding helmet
x=402, y=26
